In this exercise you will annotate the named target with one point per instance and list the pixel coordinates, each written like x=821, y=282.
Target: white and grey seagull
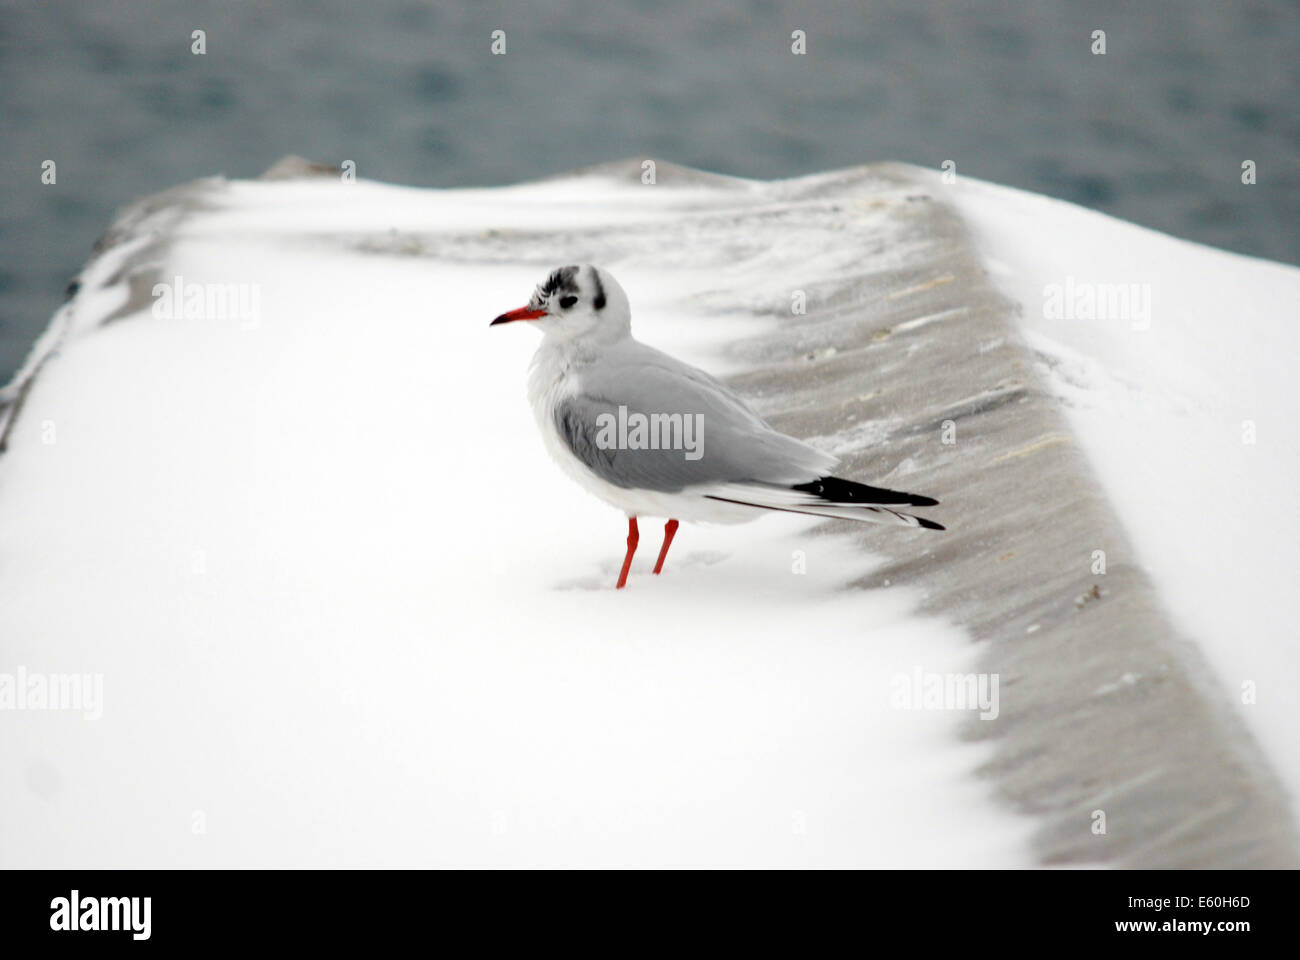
x=656, y=437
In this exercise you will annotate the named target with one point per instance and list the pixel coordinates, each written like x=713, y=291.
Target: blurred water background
x=1155, y=131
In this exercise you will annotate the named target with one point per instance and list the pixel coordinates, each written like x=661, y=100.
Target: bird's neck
x=570, y=352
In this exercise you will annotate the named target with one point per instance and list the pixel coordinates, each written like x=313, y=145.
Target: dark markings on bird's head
x=561, y=279
x=599, y=302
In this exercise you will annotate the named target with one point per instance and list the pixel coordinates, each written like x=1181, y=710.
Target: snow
x=1187, y=413
x=347, y=613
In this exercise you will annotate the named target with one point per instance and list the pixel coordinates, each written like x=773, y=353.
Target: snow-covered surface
x=347, y=613
x=1187, y=413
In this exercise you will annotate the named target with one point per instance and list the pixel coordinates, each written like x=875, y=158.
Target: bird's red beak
x=523, y=313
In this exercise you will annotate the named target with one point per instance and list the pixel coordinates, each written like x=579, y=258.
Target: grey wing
x=658, y=424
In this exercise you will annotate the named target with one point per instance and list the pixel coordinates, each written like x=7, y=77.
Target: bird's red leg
x=632, y=538
x=670, y=529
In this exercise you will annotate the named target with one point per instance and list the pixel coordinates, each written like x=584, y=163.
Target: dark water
x=1154, y=131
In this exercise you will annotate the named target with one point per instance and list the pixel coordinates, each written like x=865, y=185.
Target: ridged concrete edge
x=1104, y=706
x=129, y=253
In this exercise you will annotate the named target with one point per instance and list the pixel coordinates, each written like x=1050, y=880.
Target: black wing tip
x=839, y=490
x=930, y=524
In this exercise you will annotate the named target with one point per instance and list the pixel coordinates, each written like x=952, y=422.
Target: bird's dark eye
x=567, y=302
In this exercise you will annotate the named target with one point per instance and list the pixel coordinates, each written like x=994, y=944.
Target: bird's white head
x=576, y=301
